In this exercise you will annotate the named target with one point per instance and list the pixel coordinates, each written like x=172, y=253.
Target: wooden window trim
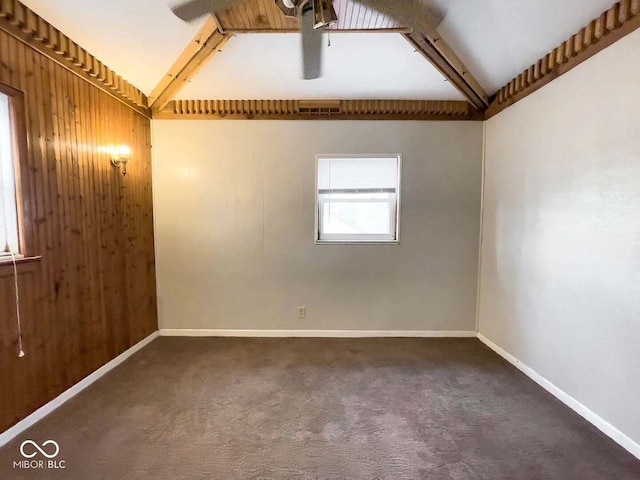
x=23, y=264
x=17, y=109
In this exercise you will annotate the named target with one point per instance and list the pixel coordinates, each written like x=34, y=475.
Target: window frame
x=361, y=240
x=17, y=112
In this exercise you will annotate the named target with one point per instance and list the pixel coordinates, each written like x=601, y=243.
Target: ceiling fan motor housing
x=288, y=7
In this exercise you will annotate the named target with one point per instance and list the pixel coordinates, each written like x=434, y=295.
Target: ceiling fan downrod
x=324, y=15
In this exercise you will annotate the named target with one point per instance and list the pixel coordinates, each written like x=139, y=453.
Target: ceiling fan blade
x=194, y=9
x=416, y=14
x=311, y=46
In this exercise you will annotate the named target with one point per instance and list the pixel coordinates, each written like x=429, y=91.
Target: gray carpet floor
x=207, y=408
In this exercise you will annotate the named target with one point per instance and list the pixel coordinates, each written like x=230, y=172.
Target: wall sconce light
x=120, y=157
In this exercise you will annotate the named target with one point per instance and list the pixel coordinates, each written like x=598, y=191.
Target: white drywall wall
x=234, y=212
x=560, y=281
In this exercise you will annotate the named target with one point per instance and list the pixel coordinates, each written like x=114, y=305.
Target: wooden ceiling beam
x=264, y=16
x=240, y=31
x=319, y=110
x=461, y=69
x=426, y=39
x=444, y=59
x=208, y=41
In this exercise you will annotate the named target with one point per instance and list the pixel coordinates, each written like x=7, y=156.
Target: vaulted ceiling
x=264, y=15
x=357, y=65
x=496, y=39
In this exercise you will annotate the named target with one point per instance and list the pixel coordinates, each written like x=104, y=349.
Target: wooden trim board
x=195, y=332
x=248, y=31
x=22, y=425
x=617, y=22
x=459, y=77
x=25, y=25
x=605, y=427
x=318, y=110
x=204, y=45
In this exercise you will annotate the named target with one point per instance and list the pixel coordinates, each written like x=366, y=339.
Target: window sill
x=19, y=260
x=352, y=242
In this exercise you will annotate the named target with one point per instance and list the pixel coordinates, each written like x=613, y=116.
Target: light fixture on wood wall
x=120, y=157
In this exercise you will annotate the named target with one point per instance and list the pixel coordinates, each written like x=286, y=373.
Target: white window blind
x=358, y=199
x=8, y=208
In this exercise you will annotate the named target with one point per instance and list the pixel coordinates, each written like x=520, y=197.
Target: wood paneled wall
x=92, y=294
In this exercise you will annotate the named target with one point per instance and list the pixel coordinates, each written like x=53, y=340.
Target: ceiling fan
x=317, y=15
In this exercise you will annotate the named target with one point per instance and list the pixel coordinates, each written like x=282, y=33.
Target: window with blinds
x=358, y=199
x=9, y=241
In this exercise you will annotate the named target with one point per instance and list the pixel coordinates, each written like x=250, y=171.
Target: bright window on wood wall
x=9, y=229
x=358, y=199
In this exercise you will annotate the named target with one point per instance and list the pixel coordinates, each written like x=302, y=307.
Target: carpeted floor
x=229, y=409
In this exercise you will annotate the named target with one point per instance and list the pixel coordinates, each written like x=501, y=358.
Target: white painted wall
x=560, y=281
x=234, y=212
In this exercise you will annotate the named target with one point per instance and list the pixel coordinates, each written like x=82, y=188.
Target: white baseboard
x=45, y=410
x=192, y=332
x=605, y=427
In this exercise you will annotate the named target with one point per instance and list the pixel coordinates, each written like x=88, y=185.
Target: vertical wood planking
x=264, y=15
x=92, y=295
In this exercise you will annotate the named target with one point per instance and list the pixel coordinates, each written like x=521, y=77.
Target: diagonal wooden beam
x=443, y=58
x=461, y=69
x=204, y=45
x=426, y=39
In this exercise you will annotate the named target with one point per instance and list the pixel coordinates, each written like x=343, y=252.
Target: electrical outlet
x=302, y=312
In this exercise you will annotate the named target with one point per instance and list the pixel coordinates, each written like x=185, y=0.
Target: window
x=9, y=238
x=358, y=199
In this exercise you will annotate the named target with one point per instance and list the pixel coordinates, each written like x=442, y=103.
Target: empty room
x=320, y=239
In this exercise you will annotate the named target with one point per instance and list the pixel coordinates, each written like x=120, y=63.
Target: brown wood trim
x=21, y=167
x=204, y=45
x=25, y=25
x=241, y=31
x=459, y=77
x=617, y=22
x=6, y=266
x=266, y=16
x=319, y=110
x=459, y=67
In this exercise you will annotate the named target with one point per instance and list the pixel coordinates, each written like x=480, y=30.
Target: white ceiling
x=497, y=39
x=138, y=39
x=355, y=66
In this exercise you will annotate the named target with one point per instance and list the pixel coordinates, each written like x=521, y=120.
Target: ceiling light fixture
x=324, y=14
